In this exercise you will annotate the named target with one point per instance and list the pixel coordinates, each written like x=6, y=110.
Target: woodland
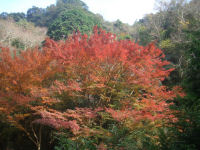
x=69, y=80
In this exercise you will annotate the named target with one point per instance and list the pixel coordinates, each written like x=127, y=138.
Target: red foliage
x=121, y=77
x=99, y=73
x=20, y=75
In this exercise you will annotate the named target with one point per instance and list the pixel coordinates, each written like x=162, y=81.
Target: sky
x=125, y=10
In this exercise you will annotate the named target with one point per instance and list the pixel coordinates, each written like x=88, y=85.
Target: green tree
x=35, y=15
x=45, y=16
x=69, y=21
x=75, y=3
x=17, y=16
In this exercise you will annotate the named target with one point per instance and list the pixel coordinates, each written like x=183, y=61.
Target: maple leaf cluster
x=121, y=77
x=91, y=79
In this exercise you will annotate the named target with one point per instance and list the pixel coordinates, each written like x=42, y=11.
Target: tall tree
x=35, y=15
x=69, y=21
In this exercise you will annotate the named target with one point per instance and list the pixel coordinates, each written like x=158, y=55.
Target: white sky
x=22, y=5
x=125, y=10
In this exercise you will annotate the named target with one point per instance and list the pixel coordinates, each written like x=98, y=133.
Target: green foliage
x=46, y=16
x=64, y=143
x=72, y=3
x=25, y=24
x=69, y=21
x=123, y=138
x=4, y=15
x=191, y=104
x=143, y=35
x=15, y=16
x=166, y=44
x=35, y=15
x=187, y=129
x=193, y=70
x=118, y=24
x=124, y=36
x=18, y=44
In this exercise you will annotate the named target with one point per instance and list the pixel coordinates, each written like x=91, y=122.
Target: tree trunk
x=38, y=146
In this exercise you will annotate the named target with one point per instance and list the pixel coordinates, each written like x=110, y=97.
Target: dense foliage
x=175, y=27
x=191, y=103
x=70, y=21
x=100, y=91
x=46, y=16
x=88, y=87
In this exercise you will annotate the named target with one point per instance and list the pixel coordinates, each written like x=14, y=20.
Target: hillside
x=21, y=34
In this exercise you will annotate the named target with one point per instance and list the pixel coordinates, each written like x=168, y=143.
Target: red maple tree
x=93, y=79
x=102, y=75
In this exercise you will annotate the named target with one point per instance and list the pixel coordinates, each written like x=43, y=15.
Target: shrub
x=18, y=44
